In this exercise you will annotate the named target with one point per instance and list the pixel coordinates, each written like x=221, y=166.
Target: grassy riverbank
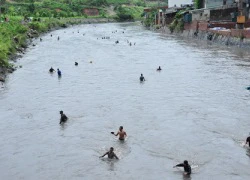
x=16, y=33
x=22, y=20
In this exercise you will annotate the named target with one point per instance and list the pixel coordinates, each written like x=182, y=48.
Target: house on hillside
x=216, y=10
x=91, y=11
x=217, y=3
x=158, y=15
x=170, y=13
x=179, y=3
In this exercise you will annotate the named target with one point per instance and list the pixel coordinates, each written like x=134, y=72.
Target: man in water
x=159, y=68
x=59, y=72
x=187, y=167
x=110, y=154
x=248, y=140
x=122, y=134
x=142, y=78
x=64, y=118
x=51, y=70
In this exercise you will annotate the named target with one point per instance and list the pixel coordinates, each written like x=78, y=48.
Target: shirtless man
x=121, y=133
x=110, y=154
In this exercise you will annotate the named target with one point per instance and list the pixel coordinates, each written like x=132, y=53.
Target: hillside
x=42, y=15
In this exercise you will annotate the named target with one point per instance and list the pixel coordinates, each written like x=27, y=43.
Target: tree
x=198, y=4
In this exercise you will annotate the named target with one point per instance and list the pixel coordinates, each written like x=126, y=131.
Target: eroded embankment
x=214, y=36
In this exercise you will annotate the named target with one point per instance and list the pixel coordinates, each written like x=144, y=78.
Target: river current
x=195, y=109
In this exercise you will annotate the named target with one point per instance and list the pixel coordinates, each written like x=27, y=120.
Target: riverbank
x=225, y=38
x=17, y=34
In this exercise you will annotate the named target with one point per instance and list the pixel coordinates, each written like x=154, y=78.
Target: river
x=195, y=109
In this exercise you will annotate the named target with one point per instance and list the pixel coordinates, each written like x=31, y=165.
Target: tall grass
x=12, y=36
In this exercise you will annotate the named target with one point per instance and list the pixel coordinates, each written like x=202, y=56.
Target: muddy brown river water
x=196, y=108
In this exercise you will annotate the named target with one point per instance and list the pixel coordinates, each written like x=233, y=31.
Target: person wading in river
x=59, y=72
x=51, y=70
x=159, y=68
x=122, y=134
x=64, y=118
x=110, y=154
x=187, y=167
x=142, y=78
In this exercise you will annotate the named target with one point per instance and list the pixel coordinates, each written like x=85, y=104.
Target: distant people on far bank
x=186, y=166
x=63, y=118
x=59, y=72
x=159, y=68
x=51, y=70
x=248, y=140
x=142, y=78
x=110, y=154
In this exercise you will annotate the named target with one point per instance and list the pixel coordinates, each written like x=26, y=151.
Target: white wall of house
x=178, y=3
x=216, y=3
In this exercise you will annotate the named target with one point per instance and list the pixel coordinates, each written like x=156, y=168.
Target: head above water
x=61, y=112
x=141, y=74
x=121, y=128
x=111, y=149
x=185, y=162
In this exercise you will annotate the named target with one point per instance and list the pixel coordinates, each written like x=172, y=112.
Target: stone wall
x=191, y=26
x=223, y=38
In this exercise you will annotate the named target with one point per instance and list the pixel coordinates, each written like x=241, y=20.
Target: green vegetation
x=12, y=34
x=15, y=32
x=20, y=18
x=149, y=21
x=198, y=4
x=178, y=22
x=125, y=13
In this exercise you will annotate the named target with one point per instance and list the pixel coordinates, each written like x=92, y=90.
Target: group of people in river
x=59, y=73
x=142, y=78
x=122, y=135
